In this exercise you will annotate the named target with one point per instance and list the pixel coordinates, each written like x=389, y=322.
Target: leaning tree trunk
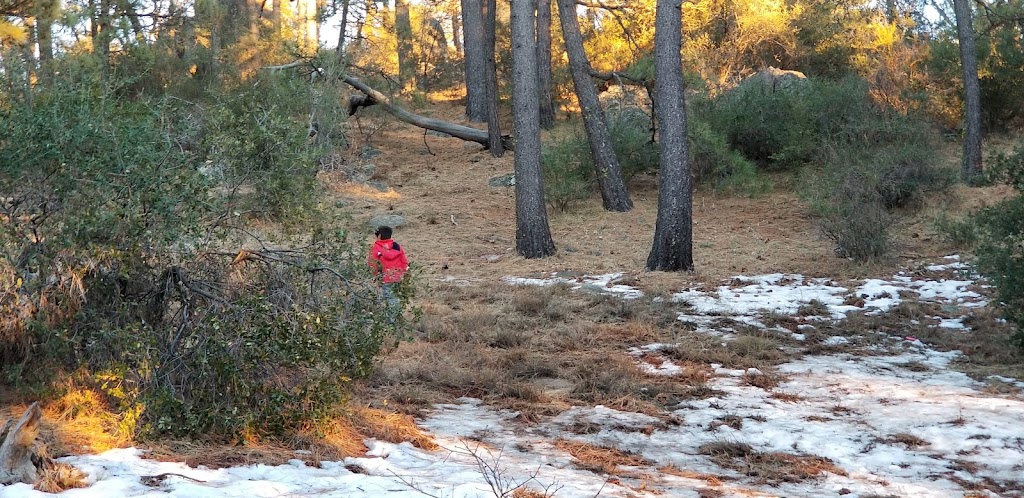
x=606, y=164
x=672, y=249
x=533, y=235
x=971, y=165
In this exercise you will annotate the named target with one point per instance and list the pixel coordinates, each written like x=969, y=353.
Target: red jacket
x=389, y=256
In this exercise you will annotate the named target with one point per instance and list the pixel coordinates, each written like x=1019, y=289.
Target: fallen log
x=23, y=459
x=375, y=97
x=458, y=131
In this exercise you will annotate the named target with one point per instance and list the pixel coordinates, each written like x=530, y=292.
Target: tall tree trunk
x=101, y=40
x=46, y=12
x=28, y=53
x=276, y=16
x=128, y=10
x=606, y=164
x=440, y=39
x=457, y=34
x=533, y=236
x=475, y=62
x=672, y=249
x=971, y=165
x=403, y=33
x=491, y=68
x=368, y=7
x=341, y=30
x=547, y=107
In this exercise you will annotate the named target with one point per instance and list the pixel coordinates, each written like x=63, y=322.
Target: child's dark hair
x=383, y=232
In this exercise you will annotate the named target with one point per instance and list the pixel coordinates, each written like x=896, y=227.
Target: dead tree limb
x=375, y=97
x=458, y=131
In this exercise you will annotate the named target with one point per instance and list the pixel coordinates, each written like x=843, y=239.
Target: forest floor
x=774, y=369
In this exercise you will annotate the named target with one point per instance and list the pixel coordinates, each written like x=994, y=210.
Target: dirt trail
x=461, y=228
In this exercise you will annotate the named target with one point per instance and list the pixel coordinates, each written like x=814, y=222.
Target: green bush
x=957, y=232
x=713, y=163
x=630, y=130
x=568, y=169
x=120, y=260
x=1000, y=249
x=872, y=163
x=775, y=129
x=852, y=213
x=257, y=138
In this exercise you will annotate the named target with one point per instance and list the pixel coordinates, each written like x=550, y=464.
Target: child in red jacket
x=388, y=262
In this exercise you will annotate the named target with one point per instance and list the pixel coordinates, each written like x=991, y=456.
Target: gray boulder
x=388, y=220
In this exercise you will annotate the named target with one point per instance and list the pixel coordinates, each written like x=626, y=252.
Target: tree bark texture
x=547, y=106
x=533, y=235
x=403, y=34
x=457, y=35
x=475, y=60
x=672, y=249
x=493, y=126
x=606, y=164
x=971, y=164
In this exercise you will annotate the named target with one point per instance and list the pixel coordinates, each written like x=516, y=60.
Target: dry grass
x=787, y=397
x=600, y=459
x=766, y=381
x=60, y=477
x=194, y=453
x=773, y=467
x=711, y=479
x=909, y=440
x=391, y=427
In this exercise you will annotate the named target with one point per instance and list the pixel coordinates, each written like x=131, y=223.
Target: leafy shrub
x=1000, y=250
x=630, y=130
x=853, y=214
x=874, y=161
x=957, y=232
x=713, y=163
x=257, y=138
x=119, y=261
x=775, y=129
x=568, y=169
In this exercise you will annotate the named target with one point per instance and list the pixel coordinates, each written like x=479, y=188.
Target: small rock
x=506, y=180
x=368, y=152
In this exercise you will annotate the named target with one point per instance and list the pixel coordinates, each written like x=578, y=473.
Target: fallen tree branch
x=455, y=130
x=375, y=97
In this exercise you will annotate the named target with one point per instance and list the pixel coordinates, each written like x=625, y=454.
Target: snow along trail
x=900, y=425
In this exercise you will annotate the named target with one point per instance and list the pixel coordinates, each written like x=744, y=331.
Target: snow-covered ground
x=900, y=424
